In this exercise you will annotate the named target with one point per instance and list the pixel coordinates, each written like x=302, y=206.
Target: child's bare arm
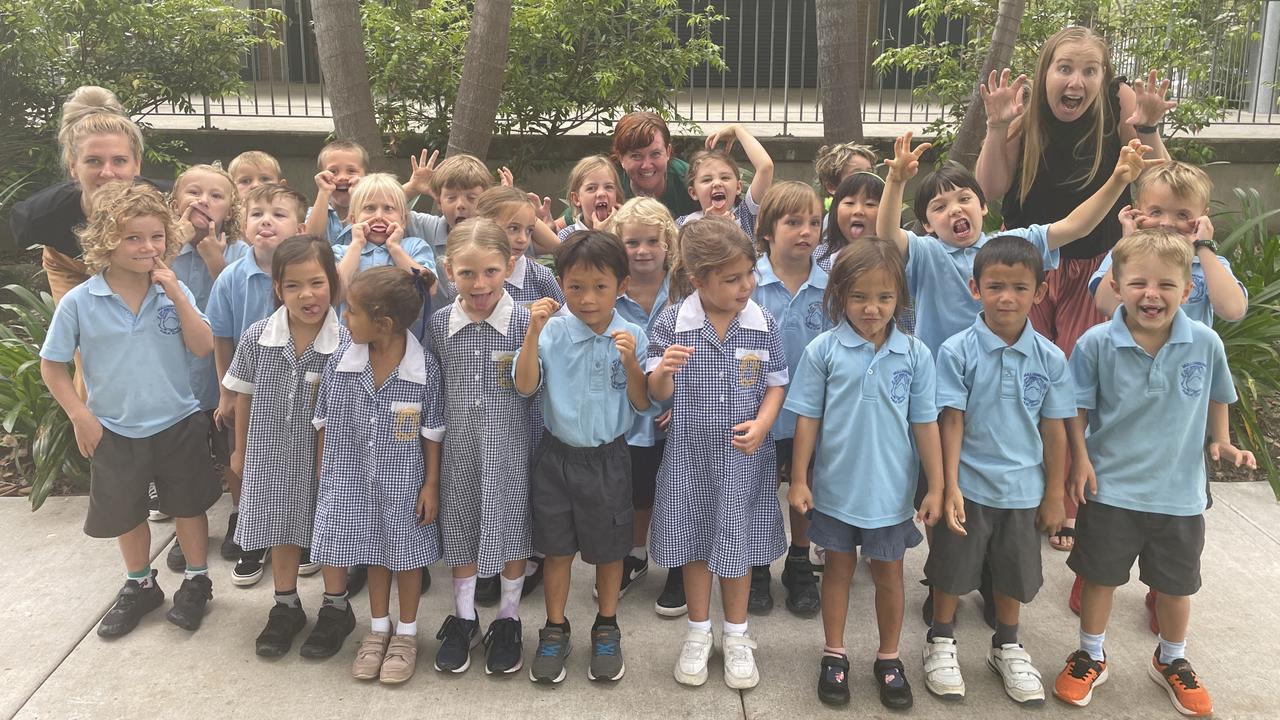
x=637, y=388
x=243, y=403
x=1052, y=513
x=1104, y=297
x=1225, y=294
x=318, y=221
x=903, y=166
x=545, y=239
x=528, y=371
x=1220, y=447
x=88, y=428
x=349, y=265
x=799, y=495
x=1089, y=213
x=929, y=447
x=1144, y=105
x=759, y=158
x=223, y=350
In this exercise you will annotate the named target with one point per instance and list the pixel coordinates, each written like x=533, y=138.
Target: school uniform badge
x=900, y=386
x=502, y=360
x=1191, y=378
x=750, y=365
x=1034, y=387
x=167, y=320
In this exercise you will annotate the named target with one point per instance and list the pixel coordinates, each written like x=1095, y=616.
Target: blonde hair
x=343, y=146
x=114, y=205
x=461, y=172
x=831, y=159
x=589, y=164
x=495, y=201
x=1185, y=181
x=380, y=184
x=1035, y=131
x=93, y=110
x=480, y=233
x=651, y=212
x=1165, y=245
x=231, y=223
x=783, y=199
x=269, y=193
x=705, y=245
x=254, y=159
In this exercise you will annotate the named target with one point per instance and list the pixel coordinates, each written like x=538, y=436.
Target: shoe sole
x=671, y=612
x=513, y=669
x=394, y=681
x=1102, y=677
x=695, y=680
x=1024, y=699
x=185, y=625
x=1158, y=679
x=564, y=671
x=833, y=700
x=312, y=652
x=951, y=695
x=272, y=650
x=246, y=580
x=621, y=671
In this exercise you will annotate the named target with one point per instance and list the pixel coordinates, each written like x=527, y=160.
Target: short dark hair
x=948, y=177
x=593, y=248
x=1008, y=250
x=387, y=292
x=859, y=183
x=299, y=249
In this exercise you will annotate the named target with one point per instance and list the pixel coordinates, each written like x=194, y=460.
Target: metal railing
x=769, y=48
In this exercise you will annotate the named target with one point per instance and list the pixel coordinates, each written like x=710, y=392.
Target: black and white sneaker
x=357, y=576
x=306, y=566
x=671, y=602
x=458, y=636
x=153, y=507
x=132, y=603
x=188, y=603
x=248, y=569
x=504, y=646
x=230, y=550
x=633, y=568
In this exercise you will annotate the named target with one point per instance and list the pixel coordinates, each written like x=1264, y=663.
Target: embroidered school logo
x=1034, y=388
x=900, y=386
x=167, y=320
x=617, y=375
x=405, y=420
x=813, y=316
x=502, y=366
x=1191, y=378
x=1198, y=290
x=749, y=367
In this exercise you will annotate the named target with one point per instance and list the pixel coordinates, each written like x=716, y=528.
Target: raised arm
x=318, y=221
x=1089, y=213
x=756, y=154
x=902, y=167
x=998, y=159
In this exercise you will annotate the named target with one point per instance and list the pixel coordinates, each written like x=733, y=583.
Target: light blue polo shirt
x=584, y=396
x=866, y=467
x=1197, y=307
x=336, y=231
x=134, y=366
x=191, y=269
x=1147, y=416
x=938, y=280
x=374, y=255
x=1004, y=391
x=431, y=228
x=644, y=433
x=242, y=295
x=800, y=320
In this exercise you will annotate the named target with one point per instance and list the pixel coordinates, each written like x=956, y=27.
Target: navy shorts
x=886, y=544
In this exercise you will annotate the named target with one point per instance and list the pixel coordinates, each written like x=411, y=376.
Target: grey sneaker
x=606, y=654
x=548, y=661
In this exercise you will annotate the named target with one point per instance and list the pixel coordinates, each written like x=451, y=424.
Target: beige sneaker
x=373, y=648
x=401, y=659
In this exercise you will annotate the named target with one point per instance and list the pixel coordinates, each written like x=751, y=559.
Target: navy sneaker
x=132, y=602
x=457, y=637
x=504, y=646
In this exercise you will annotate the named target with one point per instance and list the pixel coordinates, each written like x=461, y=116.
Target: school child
x=241, y=296
x=1175, y=196
x=275, y=374
x=252, y=168
x=790, y=286
x=379, y=481
x=1142, y=494
x=341, y=165
x=484, y=491
x=855, y=205
x=134, y=324
x=648, y=233
x=863, y=393
x=511, y=208
x=595, y=192
x=838, y=161
x=718, y=356
x=997, y=379
x=714, y=181
x=587, y=365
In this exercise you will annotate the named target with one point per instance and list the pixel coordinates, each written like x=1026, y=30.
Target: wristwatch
x=1210, y=245
x=1147, y=129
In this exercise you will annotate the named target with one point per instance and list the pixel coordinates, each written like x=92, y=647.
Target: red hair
x=636, y=130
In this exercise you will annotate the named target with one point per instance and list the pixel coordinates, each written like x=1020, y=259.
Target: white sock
x=511, y=591
x=700, y=625
x=640, y=552
x=464, y=597
x=531, y=567
x=734, y=628
x=380, y=625
x=410, y=628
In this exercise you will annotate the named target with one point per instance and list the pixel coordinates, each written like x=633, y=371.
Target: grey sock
x=338, y=601
x=1005, y=635
x=941, y=629
x=289, y=598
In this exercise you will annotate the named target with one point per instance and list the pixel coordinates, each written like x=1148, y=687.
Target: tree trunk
x=844, y=30
x=974, y=127
x=340, y=43
x=481, y=86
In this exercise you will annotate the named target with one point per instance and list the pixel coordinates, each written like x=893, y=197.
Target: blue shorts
x=886, y=544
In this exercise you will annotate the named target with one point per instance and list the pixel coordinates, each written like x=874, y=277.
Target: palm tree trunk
x=973, y=128
x=480, y=88
x=340, y=42
x=844, y=31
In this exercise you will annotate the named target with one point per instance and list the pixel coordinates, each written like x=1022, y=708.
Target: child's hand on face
x=1149, y=103
x=428, y=505
x=1219, y=451
x=930, y=508
x=1003, y=101
x=748, y=435
x=675, y=358
x=625, y=342
x=1204, y=228
x=1128, y=220
x=540, y=312
x=906, y=162
x=161, y=275
x=395, y=233
x=1132, y=162
x=800, y=497
x=325, y=182
x=358, y=235
x=421, y=171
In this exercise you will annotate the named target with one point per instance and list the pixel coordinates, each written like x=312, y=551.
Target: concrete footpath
x=55, y=583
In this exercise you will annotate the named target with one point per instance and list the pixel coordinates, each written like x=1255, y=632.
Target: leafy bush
x=45, y=435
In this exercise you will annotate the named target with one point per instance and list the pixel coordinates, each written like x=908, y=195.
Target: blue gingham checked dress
x=372, y=469
x=278, y=497
x=531, y=281
x=714, y=503
x=484, y=476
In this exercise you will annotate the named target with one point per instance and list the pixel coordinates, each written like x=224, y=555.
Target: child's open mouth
x=378, y=227
x=857, y=229
x=1072, y=102
x=201, y=214
x=312, y=310
x=602, y=209
x=1150, y=311
x=961, y=228
x=719, y=199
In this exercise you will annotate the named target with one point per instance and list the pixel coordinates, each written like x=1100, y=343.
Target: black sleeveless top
x=1057, y=189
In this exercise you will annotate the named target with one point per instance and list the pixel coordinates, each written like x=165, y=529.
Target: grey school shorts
x=176, y=459
x=1007, y=540
x=1167, y=548
x=581, y=500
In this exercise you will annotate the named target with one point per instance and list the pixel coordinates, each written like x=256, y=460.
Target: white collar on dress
x=276, y=333
x=413, y=366
x=518, y=272
x=691, y=316
x=500, y=318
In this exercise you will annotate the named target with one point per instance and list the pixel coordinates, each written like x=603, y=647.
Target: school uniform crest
x=1034, y=388
x=900, y=386
x=813, y=316
x=617, y=375
x=750, y=365
x=406, y=419
x=502, y=360
x=167, y=320
x=1191, y=378
x=1198, y=289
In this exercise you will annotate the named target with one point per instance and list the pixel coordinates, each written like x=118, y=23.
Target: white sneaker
x=691, y=666
x=942, y=669
x=740, y=670
x=1021, y=681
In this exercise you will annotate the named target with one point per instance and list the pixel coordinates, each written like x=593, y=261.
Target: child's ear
x=1040, y=293
x=973, y=290
x=1186, y=291
x=573, y=199
x=511, y=264
x=622, y=286
x=984, y=209
x=692, y=194
x=1115, y=286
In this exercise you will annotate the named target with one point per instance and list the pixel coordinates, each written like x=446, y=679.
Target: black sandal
x=1062, y=534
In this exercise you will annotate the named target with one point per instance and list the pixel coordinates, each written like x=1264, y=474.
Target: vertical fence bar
x=755, y=65
x=737, y=70
x=786, y=71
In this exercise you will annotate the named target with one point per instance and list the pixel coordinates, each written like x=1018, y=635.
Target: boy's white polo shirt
x=1004, y=391
x=1147, y=415
x=134, y=366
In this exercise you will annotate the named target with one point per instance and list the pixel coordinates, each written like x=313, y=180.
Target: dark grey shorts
x=886, y=544
x=581, y=500
x=176, y=459
x=1007, y=540
x=645, y=462
x=1167, y=548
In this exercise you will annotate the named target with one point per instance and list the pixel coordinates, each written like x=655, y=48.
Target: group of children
x=389, y=388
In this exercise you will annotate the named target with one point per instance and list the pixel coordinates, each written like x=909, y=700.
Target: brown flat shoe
x=368, y=663
x=401, y=659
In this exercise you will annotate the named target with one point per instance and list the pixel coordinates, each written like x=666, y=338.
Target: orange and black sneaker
x=1077, y=680
x=1184, y=688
